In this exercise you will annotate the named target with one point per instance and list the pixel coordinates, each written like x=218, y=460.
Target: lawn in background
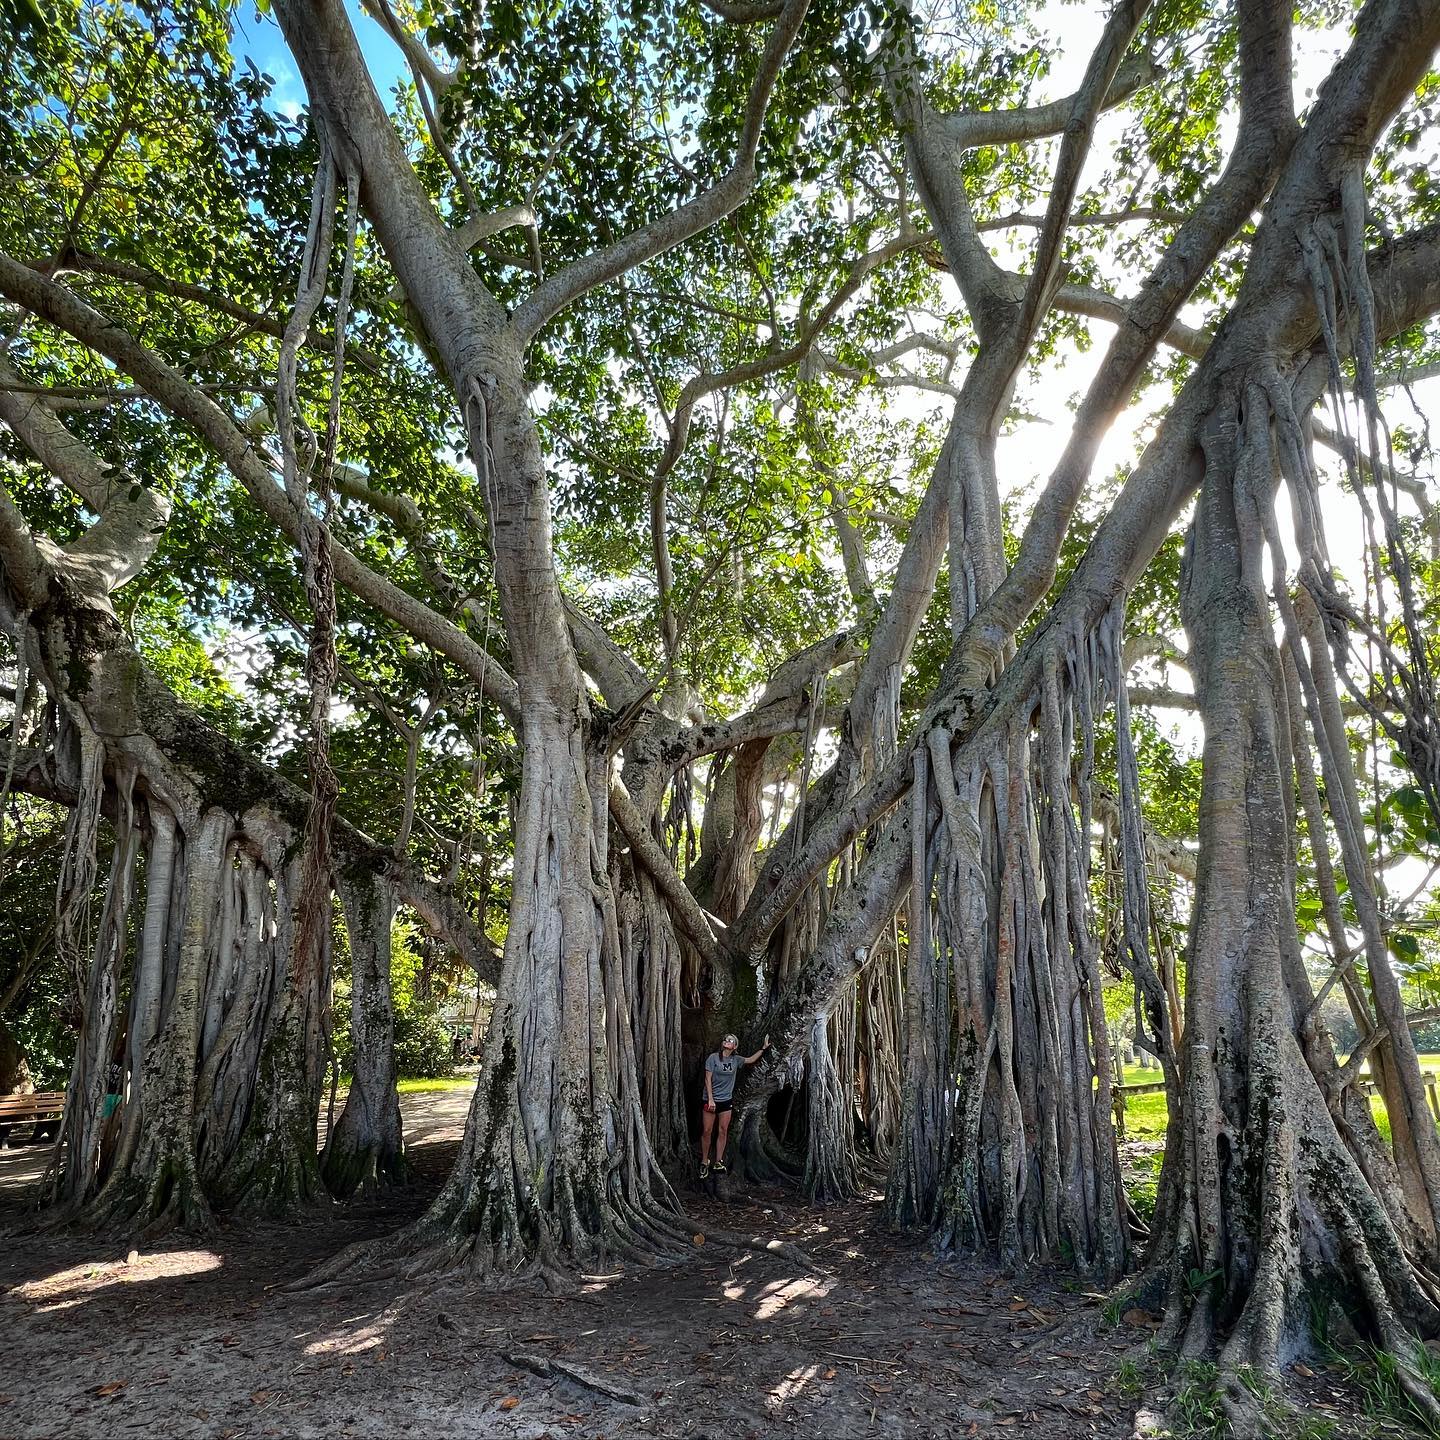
x=418, y=1087
x=439, y=1082
x=1145, y=1114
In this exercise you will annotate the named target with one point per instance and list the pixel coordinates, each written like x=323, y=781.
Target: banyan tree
x=602, y=423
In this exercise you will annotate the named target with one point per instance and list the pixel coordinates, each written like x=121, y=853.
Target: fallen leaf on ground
x=111, y=1387
x=1141, y=1319
x=509, y=1402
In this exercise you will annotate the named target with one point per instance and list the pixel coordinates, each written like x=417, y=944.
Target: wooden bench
x=1367, y=1085
x=42, y=1110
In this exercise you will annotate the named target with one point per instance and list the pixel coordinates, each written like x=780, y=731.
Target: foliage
x=43, y=1026
x=422, y=1043
x=42, y=1015
x=1374, y=1373
x=422, y=1040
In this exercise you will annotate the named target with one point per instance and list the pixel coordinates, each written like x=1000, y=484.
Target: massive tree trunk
x=154, y=1176
x=556, y=1167
x=274, y=1167
x=1283, y=1208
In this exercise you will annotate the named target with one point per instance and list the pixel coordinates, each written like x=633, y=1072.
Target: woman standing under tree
x=720, y=1071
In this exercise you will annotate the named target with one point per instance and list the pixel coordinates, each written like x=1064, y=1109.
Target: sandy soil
x=201, y=1340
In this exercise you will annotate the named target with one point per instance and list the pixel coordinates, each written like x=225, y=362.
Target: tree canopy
x=881, y=527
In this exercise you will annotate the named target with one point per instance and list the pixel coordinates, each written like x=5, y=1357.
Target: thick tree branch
x=783, y=706
x=740, y=13
x=132, y=517
x=479, y=228
x=622, y=682
x=664, y=233
x=25, y=568
x=1104, y=219
x=935, y=142
x=1099, y=305
x=60, y=307
x=969, y=129
x=1101, y=75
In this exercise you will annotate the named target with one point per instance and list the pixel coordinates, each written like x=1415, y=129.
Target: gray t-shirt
x=722, y=1074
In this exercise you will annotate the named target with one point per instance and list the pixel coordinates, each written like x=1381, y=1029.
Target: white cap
x=729, y=1040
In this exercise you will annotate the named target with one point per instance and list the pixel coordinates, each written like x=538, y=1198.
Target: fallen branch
x=547, y=1367
x=783, y=1248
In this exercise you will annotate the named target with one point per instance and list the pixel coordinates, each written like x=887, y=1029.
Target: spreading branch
x=256, y=472
x=668, y=231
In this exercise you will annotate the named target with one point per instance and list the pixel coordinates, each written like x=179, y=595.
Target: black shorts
x=722, y=1107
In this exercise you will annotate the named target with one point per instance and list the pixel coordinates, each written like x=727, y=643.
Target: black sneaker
x=704, y=1169
x=719, y=1167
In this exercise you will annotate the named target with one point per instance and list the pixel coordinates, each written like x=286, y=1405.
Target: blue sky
x=258, y=37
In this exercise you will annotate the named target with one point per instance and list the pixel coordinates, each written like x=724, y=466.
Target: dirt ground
x=201, y=1340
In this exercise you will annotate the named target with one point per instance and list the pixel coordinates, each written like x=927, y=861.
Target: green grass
x=1195, y=1412
x=439, y=1082
x=420, y=1086
x=1135, y=1075
x=1374, y=1373
x=1129, y=1379
x=1145, y=1115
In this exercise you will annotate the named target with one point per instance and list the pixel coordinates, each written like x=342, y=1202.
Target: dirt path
x=198, y=1340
